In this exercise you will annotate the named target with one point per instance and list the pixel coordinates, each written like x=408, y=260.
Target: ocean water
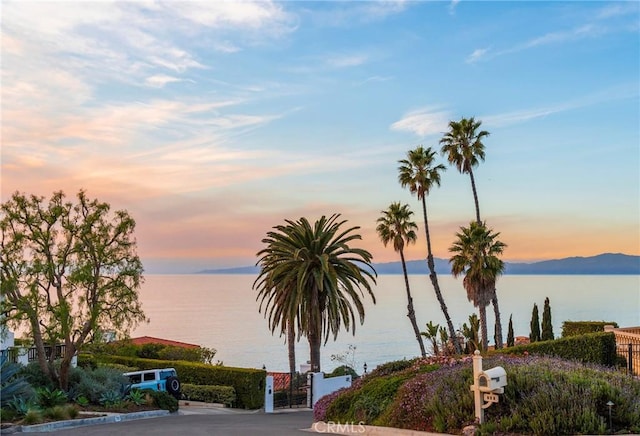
x=221, y=312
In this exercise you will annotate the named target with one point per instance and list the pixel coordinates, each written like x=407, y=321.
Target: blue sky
x=212, y=122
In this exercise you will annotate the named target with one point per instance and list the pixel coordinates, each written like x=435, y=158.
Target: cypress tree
x=534, y=336
x=510, y=336
x=547, y=327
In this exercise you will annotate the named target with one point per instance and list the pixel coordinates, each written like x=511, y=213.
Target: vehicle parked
x=162, y=379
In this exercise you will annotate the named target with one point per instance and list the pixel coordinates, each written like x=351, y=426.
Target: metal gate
x=289, y=389
x=631, y=353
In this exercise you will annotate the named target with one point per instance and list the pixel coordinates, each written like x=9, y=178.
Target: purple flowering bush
x=543, y=396
x=436, y=401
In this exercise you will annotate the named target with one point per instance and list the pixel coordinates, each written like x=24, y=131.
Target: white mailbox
x=493, y=380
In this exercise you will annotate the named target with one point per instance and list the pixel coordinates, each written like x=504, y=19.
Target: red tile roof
x=151, y=340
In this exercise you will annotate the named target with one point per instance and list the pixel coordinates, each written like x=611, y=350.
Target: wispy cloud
x=452, y=6
x=609, y=19
x=374, y=79
x=328, y=62
x=346, y=61
x=423, y=122
x=477, y=55
x=575, y=34
x=160, y=80
x=339, y=14
x=618, y=9
x=624, y=91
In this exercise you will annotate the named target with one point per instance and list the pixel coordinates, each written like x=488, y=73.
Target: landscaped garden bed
x=543, y=396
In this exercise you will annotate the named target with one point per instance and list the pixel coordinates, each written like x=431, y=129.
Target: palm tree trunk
x=291, y=337
x=475, y=196
x=315, y=331
x=434, y=281
x=494, y=300
x=410, y=312
x=314, y=352
x=483, y=327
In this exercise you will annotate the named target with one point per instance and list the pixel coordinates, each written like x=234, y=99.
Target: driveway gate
x=289, y=389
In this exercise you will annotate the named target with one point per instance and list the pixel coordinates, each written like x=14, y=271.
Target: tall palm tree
x=419, y=172
x=476, y=252
x=311, y=278
x=463, y=147
x=395, y=226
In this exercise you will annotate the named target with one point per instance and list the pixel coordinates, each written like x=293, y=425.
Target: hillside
x=602, y=264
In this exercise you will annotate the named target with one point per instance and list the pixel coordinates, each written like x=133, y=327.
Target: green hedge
x=597, y=348
x=209, y=394
x=574, y=328
x=248, y=383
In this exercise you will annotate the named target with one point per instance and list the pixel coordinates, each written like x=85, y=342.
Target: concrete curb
x=58, y=425
x=369, y=430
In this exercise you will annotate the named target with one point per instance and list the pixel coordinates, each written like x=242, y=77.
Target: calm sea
x=220, y=311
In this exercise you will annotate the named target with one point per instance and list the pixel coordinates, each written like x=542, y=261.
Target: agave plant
x=137, y=397
x=22, y=405
x=111, y=398
x=11, y=384
x=51, y=397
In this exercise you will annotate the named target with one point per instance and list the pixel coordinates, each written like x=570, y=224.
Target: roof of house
x=151, y=340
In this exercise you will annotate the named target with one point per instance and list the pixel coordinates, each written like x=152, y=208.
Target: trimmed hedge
x=599, y=348
x=248, y=383
x=575, y=328
x=210, y=394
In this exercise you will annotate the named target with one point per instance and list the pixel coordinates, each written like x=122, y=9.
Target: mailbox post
x=486, y=385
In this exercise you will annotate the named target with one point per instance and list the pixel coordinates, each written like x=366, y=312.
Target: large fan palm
x=311, y=278
x=395, y=227
x=463, y=147
x=420, y=173
x=476, y=252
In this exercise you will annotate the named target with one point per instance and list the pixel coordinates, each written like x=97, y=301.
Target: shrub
x=94, y=383
x=575, y=328
x=598, y=348
x=34, y=375
x=366, y=401
x=343, y=370
x=392, y=367
x=153, y=351
x=439, y=400
x=553, y=396
x=72, y=411
x=7, y=415
x=163, y=400
x=32, y=417
x=209, y=394
x=369, y=398
x=56, y=413
x=543, y=396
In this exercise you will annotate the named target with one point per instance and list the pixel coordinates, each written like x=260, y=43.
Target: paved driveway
x=202, y=423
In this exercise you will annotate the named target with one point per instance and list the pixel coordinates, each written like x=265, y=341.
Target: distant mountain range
x=602, y=264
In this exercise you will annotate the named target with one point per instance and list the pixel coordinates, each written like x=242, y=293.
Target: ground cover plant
x=544, y=396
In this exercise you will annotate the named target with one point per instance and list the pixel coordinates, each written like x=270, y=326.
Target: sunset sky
x=213, y=122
